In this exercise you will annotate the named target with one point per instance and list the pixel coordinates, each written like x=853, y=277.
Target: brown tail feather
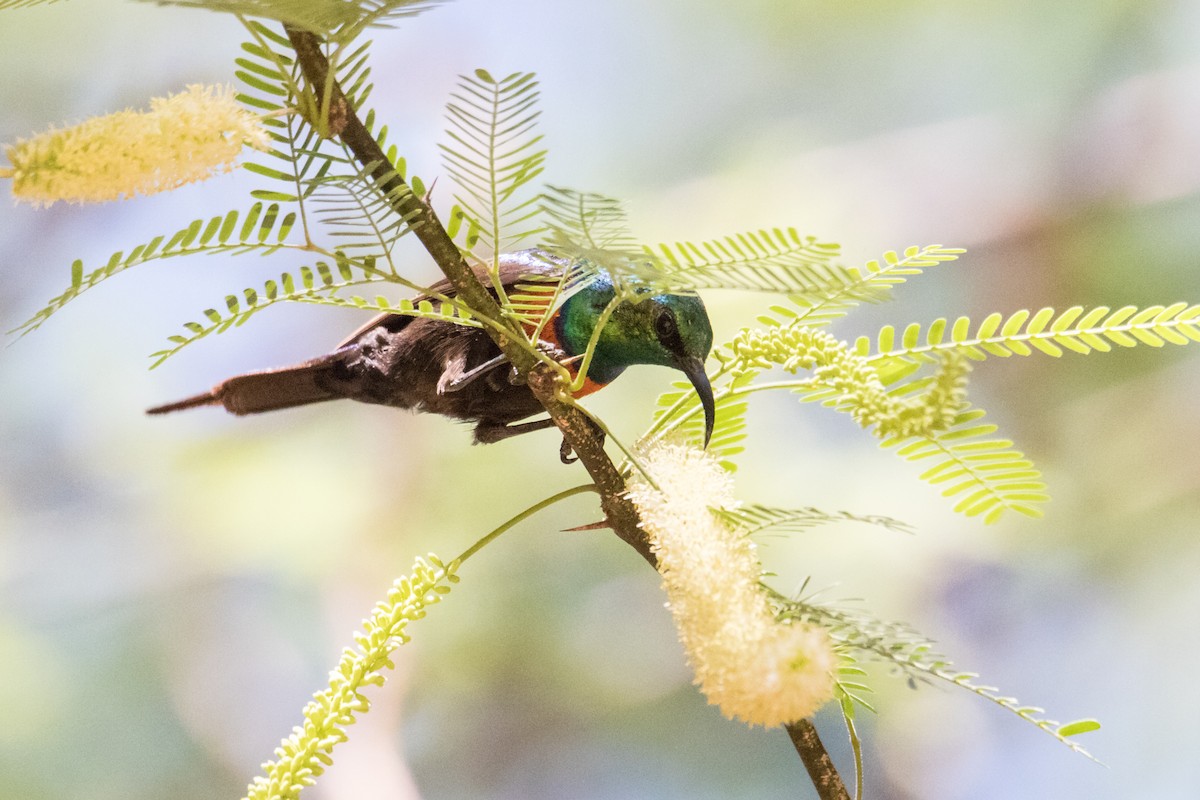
x=206, y=399
x=270, y=390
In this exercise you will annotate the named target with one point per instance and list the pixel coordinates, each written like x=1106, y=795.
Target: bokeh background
x=172, y=590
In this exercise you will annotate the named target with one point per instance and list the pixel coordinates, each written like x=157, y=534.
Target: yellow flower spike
x=186, y=137
x=306, y=752
x=749, y=664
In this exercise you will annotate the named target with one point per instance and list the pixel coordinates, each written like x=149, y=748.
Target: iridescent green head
x=670, y=330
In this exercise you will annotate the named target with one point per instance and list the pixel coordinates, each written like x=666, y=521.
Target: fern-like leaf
x=586, y=226
x=986, y=475
x=915, y=656
x=493, y=153
x=305, y=282
x=263, y=229
x=337, y=19
x=872, y=283
x=320, y=284
x=311, y=168
x=360, y=218
x=753, y=519
x=777, y=260
x=7, y=4
x=1023, y=333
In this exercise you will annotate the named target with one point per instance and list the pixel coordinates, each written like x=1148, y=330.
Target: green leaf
x=336, y=19
x=776, y=260
x=991, y=476
x=199, y=236
x=317, y=284
x=492, y=153
x=858, y=635
x=1077, y=727
x=753, y=519
x=1045, y=332
x=588, y=225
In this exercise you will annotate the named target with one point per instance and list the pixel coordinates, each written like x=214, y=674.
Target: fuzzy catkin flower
x=303, y=756
x=186, y=137
x=749, y=664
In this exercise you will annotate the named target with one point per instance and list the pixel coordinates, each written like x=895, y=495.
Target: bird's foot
x=565, y=451
x=554, y=351
x=491, y=432
x=453, y=381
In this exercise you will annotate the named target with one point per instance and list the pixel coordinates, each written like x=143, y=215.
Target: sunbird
x=440, y=367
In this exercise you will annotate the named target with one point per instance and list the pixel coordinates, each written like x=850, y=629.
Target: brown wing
x=393, y=360
x=512, y=267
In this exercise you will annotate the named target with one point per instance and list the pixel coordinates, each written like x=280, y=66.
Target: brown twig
x=824, y=774
x=341, y=120
x=542, y=380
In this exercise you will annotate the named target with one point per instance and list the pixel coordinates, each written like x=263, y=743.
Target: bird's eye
x=665, y=326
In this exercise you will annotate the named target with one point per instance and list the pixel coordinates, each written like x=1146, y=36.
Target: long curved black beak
x=693, y=367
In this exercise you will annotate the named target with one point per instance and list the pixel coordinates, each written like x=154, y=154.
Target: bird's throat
x=601, y=371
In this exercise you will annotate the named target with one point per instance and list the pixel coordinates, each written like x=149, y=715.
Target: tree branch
x=343, y=122
x=340, y=119
x=824, y=774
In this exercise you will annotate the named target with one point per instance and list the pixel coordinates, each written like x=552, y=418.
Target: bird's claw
x=450, y=382
x=564, y=453
x=565, y=450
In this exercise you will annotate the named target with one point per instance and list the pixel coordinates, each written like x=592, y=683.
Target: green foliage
x=861, y=636
x=493, y=154
x=303, y=756
x=313, y=172
x=337, y=19
x=921, y=417
x=586, y=226
x=679, y=414
x=872, y=283
x=777, y=260
x=1022, y=333
x=988, y=475
x=317, y=284
x=847, y=703
x=359, y=218
x=7, y=4
x=319, y=186
x=907, y=390
x=263, y=229
x=752, y=519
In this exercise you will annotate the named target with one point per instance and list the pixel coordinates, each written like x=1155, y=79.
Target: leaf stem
x=524, y=515
x=856, y=747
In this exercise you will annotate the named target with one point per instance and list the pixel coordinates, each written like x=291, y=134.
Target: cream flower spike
x=186, y=137
x=749, y=664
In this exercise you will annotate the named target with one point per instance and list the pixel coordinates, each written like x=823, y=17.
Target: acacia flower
x=751, y=665
x=186, y=137
x=304, y=755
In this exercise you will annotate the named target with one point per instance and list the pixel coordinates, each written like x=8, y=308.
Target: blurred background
x=173, y=590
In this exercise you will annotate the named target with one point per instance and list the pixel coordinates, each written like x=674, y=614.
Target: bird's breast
x=549, y=335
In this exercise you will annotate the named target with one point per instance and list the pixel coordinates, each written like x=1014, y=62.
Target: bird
x=440, y=367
